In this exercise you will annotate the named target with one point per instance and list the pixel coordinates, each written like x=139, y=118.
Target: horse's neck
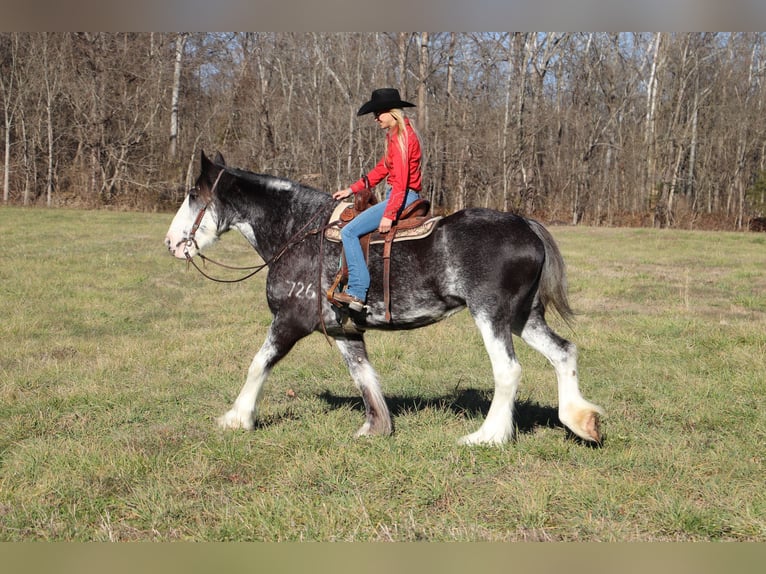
x=276, y=216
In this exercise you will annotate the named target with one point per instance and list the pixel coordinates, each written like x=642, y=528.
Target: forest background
x=639, y=129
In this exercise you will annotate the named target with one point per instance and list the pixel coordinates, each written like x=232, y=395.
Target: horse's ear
x=219, y=159
x=209, y=170
x=208, y=166
x=204, y=162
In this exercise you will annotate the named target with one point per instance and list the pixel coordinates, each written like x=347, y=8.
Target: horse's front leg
x=377, y=417
x=243, y=413
x=498, y=425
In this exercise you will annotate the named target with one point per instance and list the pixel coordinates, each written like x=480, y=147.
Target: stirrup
x=343, y=298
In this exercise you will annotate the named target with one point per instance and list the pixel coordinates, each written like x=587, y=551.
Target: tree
x=179, y=54
x=9, y=65
x=592, y=128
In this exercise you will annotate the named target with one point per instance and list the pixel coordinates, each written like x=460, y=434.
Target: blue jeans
x=365, y=222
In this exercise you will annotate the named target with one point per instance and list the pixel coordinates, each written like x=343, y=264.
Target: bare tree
x=9, y=65
x=650, y=127
x=423, y=65
x=179, y=53
x=595, y=128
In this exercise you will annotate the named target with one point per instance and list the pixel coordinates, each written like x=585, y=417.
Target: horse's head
x=195, y=225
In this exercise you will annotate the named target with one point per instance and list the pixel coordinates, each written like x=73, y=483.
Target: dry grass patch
x=115, y=363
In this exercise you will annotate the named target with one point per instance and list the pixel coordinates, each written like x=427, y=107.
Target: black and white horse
x=504, y=268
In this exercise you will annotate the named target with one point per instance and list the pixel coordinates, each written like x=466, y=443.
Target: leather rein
x=297, y=238
x=191, y=241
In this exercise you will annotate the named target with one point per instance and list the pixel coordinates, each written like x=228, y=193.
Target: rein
x=205, y=260
x=190, y=241
x=297, y=238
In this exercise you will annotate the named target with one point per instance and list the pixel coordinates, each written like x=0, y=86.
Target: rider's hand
x=342, y=194
x=385, y=225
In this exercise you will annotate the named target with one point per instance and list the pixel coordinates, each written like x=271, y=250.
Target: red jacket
x=402, y=175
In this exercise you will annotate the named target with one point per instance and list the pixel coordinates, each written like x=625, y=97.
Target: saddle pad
x=340, y=208
x=402, y=233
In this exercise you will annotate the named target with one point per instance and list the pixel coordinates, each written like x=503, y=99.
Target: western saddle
x=413, y=223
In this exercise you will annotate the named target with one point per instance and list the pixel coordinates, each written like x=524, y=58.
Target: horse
x=504, y=268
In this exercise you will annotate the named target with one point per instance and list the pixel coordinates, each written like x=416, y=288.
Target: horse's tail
x=553, y=279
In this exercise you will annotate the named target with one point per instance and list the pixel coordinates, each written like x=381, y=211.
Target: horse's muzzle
x=179, y=249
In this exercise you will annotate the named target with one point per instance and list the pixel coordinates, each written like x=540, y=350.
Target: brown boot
x=353, y=303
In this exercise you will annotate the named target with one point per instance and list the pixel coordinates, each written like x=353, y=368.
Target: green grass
x=115, y=362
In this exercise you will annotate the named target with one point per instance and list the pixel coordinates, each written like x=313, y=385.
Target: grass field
x=115, y=361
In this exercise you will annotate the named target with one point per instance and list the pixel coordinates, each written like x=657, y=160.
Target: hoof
x=364, y=430
x=380, y=429
x=585, y=422
x=592, y=428
x=479, y=438
x=234, y=421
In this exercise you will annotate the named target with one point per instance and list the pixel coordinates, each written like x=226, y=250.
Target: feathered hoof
x=585, y=423
x=379, y=429
x=592, y=428
x=481, y=437
x=233, y=420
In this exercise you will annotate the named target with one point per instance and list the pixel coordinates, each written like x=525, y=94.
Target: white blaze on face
x=180, y=229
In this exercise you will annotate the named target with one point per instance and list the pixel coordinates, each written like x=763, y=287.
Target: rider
x=401, y=165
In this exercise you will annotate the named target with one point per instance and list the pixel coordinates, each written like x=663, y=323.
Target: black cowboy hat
x=383, y=100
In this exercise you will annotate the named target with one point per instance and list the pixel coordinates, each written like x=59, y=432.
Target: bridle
x=190, y=241
x=303, y=233
x=297, y=238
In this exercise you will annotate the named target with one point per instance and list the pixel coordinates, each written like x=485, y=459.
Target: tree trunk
x=649, y=135
x=7, y=160
x=423, y=76
x=50, y=94
x=693, y=149
x=8, y=90
x=446, y=131
x=505, y=155
x=179, y=52
x=25, y=155
x=402, y=41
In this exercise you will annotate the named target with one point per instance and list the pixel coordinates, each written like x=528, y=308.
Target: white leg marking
x=242, y=414
x=498, y=426
x=574, y=410
x=366, y=380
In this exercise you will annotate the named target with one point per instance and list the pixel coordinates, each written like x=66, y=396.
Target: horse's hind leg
x=377, y=417
x=578, y=414
x=243, y=412
x=498, y=425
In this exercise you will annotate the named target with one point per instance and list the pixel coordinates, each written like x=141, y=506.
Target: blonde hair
x=401, y=132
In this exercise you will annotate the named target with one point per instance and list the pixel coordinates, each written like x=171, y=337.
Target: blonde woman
x=401, y=167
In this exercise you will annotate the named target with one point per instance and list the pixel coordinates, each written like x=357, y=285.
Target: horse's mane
x=272, y=181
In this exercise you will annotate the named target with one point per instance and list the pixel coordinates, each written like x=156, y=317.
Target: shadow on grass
x=469, y=403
